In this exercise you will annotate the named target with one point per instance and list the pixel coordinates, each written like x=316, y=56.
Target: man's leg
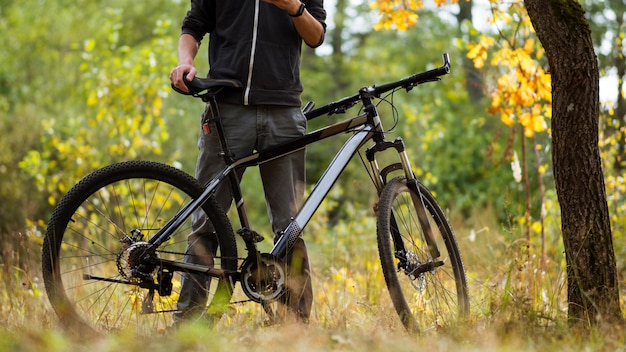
x=201, y=243
x=195, y=287
x=284, y=182
x=299, y=286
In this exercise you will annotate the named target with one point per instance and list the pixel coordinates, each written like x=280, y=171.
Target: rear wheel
x=100, y=272
x=425, y=277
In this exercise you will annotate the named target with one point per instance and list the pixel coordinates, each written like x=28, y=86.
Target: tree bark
x=592, y=285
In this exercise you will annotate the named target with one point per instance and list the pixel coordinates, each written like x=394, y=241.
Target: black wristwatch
x=300, y=10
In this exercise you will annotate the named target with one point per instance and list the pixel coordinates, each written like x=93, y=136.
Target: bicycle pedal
x=250, y=235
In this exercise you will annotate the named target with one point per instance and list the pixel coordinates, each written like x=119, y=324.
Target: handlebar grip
x=446, y=62
x=308, y=107
x=417, y=78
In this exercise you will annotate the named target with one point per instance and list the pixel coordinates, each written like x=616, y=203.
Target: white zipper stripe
x=255, y=30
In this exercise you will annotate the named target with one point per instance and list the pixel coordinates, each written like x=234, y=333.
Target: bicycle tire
x=430, y=300
x=84, y=238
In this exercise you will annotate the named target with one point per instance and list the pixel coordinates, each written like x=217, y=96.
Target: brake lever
x=411, y=86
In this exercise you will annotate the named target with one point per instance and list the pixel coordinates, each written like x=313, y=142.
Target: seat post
x=216, y=117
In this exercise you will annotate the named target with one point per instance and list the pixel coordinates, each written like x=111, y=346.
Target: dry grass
x=514, y=308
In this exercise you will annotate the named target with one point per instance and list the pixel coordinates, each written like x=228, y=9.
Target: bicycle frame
x=367, y=126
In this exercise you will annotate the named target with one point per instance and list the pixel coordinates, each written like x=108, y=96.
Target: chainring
x=263, y=279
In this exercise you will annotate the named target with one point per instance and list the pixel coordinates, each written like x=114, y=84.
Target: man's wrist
x=299, y=12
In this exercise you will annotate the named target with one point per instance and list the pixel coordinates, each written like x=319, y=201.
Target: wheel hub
x=411, y=269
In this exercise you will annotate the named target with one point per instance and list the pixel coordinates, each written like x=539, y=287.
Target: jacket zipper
x=255, y=30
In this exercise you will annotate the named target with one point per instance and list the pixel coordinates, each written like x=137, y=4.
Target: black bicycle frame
x=368, y=125
x=365, y=126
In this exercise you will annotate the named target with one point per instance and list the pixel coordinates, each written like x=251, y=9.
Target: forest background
x=85, y=83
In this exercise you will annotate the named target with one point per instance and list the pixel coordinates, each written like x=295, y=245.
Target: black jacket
x=255, y=43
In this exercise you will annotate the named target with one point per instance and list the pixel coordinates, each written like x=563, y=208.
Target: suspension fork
x=380, y=180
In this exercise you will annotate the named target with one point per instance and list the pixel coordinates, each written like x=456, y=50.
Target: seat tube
x=216, y=117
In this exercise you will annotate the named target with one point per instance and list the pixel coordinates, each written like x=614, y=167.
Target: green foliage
x=18, y=196
x=122, y=118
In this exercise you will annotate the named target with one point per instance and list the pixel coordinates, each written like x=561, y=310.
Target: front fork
x=380, y=180
x=380, y=176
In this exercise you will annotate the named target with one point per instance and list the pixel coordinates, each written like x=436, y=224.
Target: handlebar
x=407, y=83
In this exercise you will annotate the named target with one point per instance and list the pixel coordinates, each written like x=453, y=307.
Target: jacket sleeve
x=200, y=19
x=316, y=9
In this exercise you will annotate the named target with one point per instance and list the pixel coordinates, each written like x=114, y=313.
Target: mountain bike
x=114, y=246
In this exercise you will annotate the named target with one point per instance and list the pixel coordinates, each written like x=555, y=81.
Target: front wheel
x=101, y=273
x=424, y=274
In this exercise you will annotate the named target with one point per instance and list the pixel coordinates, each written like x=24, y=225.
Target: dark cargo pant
x=249, y=128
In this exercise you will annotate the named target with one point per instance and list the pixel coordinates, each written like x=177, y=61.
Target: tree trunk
x=337, y=42
x=473, y=77
x=592, y=286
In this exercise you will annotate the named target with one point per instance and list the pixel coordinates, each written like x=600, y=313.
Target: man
x=257, y=42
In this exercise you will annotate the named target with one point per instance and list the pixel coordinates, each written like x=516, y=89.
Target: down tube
x=323, y=186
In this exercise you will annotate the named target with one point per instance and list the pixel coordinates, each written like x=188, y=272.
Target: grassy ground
x=518, y=304
x=35, y=329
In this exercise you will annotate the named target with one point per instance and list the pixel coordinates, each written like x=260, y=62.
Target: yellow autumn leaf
x=400, y=14
x=92, y=100
x=89, y=45
x=507, y=119
x=529, y=45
